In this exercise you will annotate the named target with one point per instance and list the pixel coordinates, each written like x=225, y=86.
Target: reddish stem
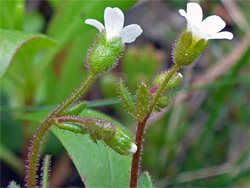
x=136, y=156
x=141, y=128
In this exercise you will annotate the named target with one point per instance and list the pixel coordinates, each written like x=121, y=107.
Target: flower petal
x=194, y=13
x=184, y=14
x=95, y=23
x=130, y=33
x=212, y=24
x=114, y=21
x=222, y=35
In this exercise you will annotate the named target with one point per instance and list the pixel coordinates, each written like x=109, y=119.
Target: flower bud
x=173, y=83
x=103, y=56
x=164, y=101
x=188, y=48
x=122, y=142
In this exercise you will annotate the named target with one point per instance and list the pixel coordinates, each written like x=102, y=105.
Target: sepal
x=188, y=48
x=104, y=54
x=122, y=142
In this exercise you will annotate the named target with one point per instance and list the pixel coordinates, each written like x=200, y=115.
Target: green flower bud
x=104, y=55
x=114, y=136
x=173, y=83
x=122, y=142
x=188, y=48
x=163, y=102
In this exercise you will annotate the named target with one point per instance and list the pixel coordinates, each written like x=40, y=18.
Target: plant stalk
x=141, y=128
x=36, y=144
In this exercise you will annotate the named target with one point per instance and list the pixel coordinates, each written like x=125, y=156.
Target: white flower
x=114, y=22
x=209, y=28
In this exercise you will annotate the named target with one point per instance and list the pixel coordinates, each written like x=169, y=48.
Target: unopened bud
x=122, y=142
x=104, y=55
x=173, y=83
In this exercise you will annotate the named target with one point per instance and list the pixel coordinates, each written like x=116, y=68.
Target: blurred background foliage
x=201, y=140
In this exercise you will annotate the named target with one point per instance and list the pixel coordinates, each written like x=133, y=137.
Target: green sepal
x=173, y=83
x=188, y=48
x=145, y=181
x=186, y=38
x=77, y=109
x=121, y=142
x=104, y=54
x=126, y=98
x=75, y=128
x=163, y=102
x=142, y=101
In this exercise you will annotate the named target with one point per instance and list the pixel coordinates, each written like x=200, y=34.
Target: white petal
x=130, y=33
x=222, y=35
x=212, y=24
x=183, y=13
x=95, y=23
x=133, y=148
x=114, y=21
x=194, y=13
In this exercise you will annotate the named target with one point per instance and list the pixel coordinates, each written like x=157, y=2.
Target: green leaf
x=76, y=109
x=97, y=165
x=12, y=41
x=11, y=14
x=142, y=101
x=145, y=181
x=33, y=22
x=126, y=98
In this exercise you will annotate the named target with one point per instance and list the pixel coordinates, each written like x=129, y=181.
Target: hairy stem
x=136, y=156
x=141, y=128
x=46, y=169
x=36, y=144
